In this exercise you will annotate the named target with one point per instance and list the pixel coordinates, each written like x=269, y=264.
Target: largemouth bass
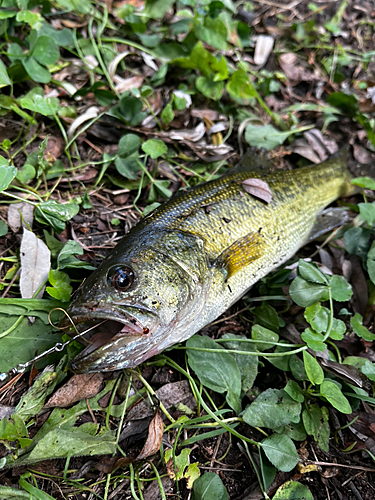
x=187, y=262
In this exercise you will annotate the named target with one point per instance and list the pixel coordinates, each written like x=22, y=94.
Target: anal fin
x=240, y=253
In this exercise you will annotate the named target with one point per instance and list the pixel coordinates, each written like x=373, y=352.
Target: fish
x=187, y=262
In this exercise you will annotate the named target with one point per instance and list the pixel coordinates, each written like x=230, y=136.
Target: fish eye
x=121, y=278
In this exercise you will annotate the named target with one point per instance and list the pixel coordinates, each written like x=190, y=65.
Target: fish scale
x=198, y=253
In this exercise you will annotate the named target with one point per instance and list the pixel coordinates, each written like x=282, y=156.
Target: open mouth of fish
x=103, y=328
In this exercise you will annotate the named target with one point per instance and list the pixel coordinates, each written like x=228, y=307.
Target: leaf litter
x=299, y=89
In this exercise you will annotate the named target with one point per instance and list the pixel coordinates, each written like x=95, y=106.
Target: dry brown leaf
x=155, y=435
x=294, y=71
x=170, y=395
x=258, y=188
x=124, y=84
x=79, y=387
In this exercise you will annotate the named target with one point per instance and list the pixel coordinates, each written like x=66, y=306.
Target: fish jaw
x=122, y=351
x=118, y=329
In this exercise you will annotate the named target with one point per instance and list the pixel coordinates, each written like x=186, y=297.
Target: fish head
x=146, y=294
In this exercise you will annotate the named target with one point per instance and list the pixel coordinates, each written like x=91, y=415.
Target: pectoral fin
x=241, y=253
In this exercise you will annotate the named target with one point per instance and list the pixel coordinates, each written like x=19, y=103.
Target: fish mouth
x=104, y=332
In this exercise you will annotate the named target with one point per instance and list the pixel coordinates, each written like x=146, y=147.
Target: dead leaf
x=124, y=84
x=15, y=221
x=258, y=188
x=294, y=71
x=35, y=264
x=79, y=387
x=263, y=49
x=170, y=395
x=89, y=114
x=155, y=435
x=194, y=134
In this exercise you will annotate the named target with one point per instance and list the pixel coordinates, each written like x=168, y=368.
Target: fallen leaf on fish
x=79, y=387
x=258, y=188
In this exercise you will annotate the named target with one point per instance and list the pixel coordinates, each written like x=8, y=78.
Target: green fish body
x=187, y=262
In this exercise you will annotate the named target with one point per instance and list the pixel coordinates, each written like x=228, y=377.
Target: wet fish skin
x=200, y=252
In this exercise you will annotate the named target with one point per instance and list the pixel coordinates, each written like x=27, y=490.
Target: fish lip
x=88, y=312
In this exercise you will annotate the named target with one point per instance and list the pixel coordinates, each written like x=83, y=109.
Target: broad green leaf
x=13, y=493
x=291, y=490
x=346, y=102
x=20, y=344
x=156, y=9
x=267, y=136
x=297, y=368
x=315, y=421
x=341, y=290
x=26, y=173
x=213, y=32
x=248, y=365
x=33, y=19
x=216, y=370
x=314, y=340
x=4, y=77
x=200, y=60
x=60, y=289
x=267, y=316
x=46, y=50
x=154, y=148
x=7, y=173
x=370, y=262
x=61, y=443
x=365, y=182
x=267, y=469
x=313, y=369
x=14, y=429
x=334, y=396
x=362, y=364
x=209, y=88
x=357, y=241
x=128, y=145
x=191, y=475
x=209, y=487
x=83, y=6
x=180, y=461
x=280, y=451
x=3, y=228
x=359, y=329
x=167, y=114
x=36, y=71
x=128, y=167
x=311, y=273
x=35, y=101
x=317, y=316
x=305, y=293
x=260, y=333
x=55, y=214
x=294, y=391
x=66, y=259
x=367, y=212
x=272, y=409
x=32, y=402
x=240, y=87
